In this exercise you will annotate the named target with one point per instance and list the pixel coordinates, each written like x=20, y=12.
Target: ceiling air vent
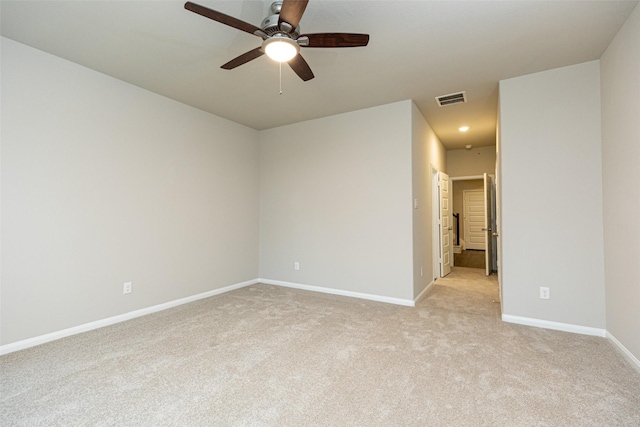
x=452, y=98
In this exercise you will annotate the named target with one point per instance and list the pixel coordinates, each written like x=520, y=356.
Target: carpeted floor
x=271, y=356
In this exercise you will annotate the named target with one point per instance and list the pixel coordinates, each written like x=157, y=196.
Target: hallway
x=466, y=290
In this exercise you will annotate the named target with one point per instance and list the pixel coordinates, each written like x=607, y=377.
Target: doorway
x=473, y=201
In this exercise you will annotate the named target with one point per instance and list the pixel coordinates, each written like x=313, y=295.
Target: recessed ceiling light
x=463, y=128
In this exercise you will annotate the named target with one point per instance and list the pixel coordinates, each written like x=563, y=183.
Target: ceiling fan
x=280, y=33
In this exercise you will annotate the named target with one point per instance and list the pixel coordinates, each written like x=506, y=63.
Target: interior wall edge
x=624, y=350
x=341, y=292
x=558, y=326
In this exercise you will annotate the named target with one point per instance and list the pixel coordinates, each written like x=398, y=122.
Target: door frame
x=488, y=224
x=463, y=178
x=495, y=220
x=445, y=247
x=435, y=225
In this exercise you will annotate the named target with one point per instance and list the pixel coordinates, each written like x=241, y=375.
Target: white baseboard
x=379, y=298
x=424, y=292
x=634, y=360
x=32, y=342
x=558, y=326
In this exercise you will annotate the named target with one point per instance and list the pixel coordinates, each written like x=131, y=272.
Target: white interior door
x=488, y=215
x=494, y=223
x=446, y=248
x=474, y=219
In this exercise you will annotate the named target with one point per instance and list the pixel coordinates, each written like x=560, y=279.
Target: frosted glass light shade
x=281, y=49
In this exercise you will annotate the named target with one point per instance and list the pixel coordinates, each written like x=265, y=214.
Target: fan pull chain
x=280, y=78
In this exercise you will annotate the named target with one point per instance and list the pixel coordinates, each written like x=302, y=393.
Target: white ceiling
x=418, y=50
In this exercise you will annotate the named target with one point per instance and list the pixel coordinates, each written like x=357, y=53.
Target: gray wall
x=104, y=183
x=620, y=85
x=427, y=151
x=474, y=162
x=335, y=196
x=552, y=226
x=471, y=162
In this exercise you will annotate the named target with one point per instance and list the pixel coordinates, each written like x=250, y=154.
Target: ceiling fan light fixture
x=280, y=48
x=280, y=34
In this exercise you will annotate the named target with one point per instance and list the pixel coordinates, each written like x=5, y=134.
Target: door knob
x=495, y=234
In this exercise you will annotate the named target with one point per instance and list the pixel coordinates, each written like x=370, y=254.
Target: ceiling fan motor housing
x=270, y=24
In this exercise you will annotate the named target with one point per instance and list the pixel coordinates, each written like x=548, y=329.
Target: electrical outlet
x=127, y=288
x=296, y=265
x=544, y=293
x=421, y=271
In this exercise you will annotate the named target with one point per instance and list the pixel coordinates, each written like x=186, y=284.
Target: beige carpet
x=270, y=356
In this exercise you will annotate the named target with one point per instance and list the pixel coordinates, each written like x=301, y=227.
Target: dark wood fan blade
x=243, y=59
x=301, y=68
x=222, y=18
x=292, y=11
x=336, y=40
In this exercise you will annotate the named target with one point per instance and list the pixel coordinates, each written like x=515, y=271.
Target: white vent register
x=452, y=98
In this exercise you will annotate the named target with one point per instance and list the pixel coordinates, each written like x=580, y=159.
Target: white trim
x=424, y=292
x=435, y=222
x=547, y=324
x=32, y=342
x=470, y=177
x=372, y=297
x=634, y=360
x=466, y=178
x=42, y=339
